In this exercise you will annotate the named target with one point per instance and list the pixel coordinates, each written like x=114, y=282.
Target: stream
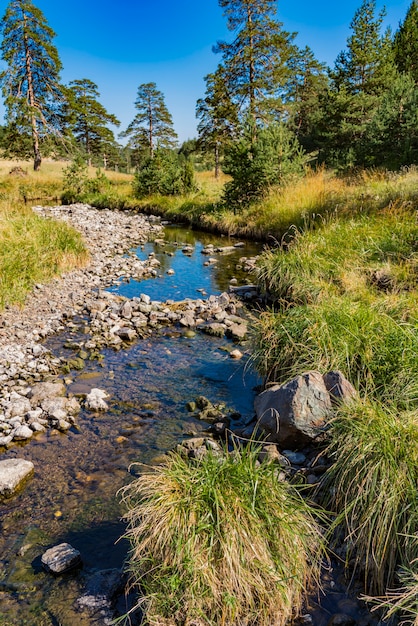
x=73, y=495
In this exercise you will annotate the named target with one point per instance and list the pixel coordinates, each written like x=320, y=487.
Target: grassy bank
x=32, y=249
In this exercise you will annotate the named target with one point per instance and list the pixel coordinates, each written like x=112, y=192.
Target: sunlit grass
x=220, y=541
x=32, y=249
x=372, y=486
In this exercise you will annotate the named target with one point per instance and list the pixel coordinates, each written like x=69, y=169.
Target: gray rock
x=95, y=400
x=237, y=332
x=61, y=558
x=13, y=474
x=22, y=433
x=42, y=391
x=294, y=413
x=18, y=407
x=340, y=389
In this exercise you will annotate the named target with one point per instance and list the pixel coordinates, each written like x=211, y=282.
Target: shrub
x=372, y=486
x=165, y=173
x=220, y=541
x=258, y=164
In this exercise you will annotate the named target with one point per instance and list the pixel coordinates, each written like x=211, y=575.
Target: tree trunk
x=216, y=160
x=31, y=95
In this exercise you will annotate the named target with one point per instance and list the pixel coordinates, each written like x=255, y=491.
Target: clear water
x=73, y=494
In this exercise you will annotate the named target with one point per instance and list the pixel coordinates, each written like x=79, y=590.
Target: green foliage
x=220, y=541
x=391, y=138
x=346, y=300
x=152, y=126
x=372, y=487
x=255, y=61
x=257, y=165
x=406, y=43
x=89, y=119
x=30, y=82
x=77, y=184
x=166, y=173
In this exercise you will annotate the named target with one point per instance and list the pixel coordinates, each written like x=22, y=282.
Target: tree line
x=269, y=107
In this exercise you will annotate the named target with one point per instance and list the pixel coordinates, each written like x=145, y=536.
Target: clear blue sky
x=120, y=44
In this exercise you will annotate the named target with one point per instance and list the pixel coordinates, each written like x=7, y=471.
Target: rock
x=95, y=400
x=237, y=332
x=18, y=407
x=214, y=329
x=13, y=474
x=294, y=413
x=127, y=334
x=236, y=354
x=42, y=391
x=295, y=458
x=269, y=453
x=61, y=558
x=100, y=591
x=340, y=389
x=341, y=619
x=22, y=433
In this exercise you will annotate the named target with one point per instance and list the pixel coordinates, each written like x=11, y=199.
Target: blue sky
x=120, y=44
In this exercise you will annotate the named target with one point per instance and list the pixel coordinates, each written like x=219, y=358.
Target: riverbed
x=73, y=494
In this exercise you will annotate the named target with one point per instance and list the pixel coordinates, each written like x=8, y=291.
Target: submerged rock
x=13, y=474
x=61, y=558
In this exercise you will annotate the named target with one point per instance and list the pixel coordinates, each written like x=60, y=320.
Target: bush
x=220, y=541
x=257, y=164
x=166, y=173
x=372, y=486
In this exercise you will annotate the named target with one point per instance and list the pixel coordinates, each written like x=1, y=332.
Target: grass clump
x=33, y=249
x=220, y=541
x=372, y=486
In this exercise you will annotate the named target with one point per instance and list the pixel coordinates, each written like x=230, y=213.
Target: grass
x=220, y=541
x=32, y=249
x=372, y=486
x=346, y=299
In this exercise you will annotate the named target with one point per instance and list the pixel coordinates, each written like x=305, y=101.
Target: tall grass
x=32, y=249
x=220, y=541
x=372, y=486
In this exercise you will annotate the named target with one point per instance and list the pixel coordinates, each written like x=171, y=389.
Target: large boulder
x=295, y=413
x=13, y=473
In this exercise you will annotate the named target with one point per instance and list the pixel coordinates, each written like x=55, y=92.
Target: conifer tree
x=256, y=60
x=218, y=116
x=406, y=43
x=361, y=75
x=90, y=119
x=30, y=83
x=152, y=126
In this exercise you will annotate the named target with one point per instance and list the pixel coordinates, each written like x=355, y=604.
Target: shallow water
x=73, y=494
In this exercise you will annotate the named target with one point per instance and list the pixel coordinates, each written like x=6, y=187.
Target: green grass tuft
x=372, y=487
x=220, y=541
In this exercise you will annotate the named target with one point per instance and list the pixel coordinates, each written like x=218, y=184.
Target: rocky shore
x=28, y=404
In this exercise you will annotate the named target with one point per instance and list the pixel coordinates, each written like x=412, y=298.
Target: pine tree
x=256, y=61
x=30, y=83
x=217, y=114
x=361, y=75
x=90, y=119
x=308, y=82
x=152, y=126
x=406, y=43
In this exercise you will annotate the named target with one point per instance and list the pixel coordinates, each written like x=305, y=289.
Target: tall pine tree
x=218, y=116
x=406, y=43
x=153, y=125
x=31, y=82
x=255, y=61
x=362, y=74
x=90, y=119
